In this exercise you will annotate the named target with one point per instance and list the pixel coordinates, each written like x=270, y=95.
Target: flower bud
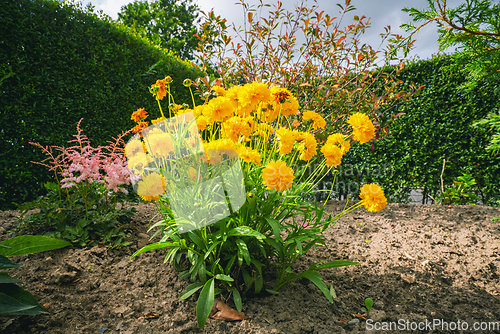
x=187, y=82
x=168, y=79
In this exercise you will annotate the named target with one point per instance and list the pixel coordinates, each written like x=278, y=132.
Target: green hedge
x=437, y=124
x=59, y=63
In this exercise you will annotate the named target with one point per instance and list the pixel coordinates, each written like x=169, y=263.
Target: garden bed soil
x=421, y=264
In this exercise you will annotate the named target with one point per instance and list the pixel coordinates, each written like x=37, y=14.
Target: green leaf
x=242, y=251
x=5, y=278
x=275, y=225
x=274, y=292
x=16, y=300
x=237, y=299
x=368, y=304
x=205, y=303
x=28, y=244
x=246, y=231
x=191, y=289
x=157, y=245
x=315, y=277
x=6, y=263
x=224, y=278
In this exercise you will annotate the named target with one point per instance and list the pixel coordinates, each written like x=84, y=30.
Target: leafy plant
x=233, y=205
x=368, y=305
x=82, y=206
x=330, y=72
x=461, y=192
x=13, y=298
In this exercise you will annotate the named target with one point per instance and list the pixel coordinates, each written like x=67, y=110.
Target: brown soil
x=417, y=262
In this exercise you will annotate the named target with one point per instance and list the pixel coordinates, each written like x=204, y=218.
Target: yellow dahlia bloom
x=202, y=122
x=253, y=93
x=219, y=90
x=318, y=121
x=277, y=176
x=333, y=154
x=309, y=145
x=286, y=139
x=235, y=127
x=362, y=127
x=133, y=147
x=283, y=101
x=340, y=139
x=159, y=119
x=372, y=197
x=248, y=154
x=151, y=187
x=220, y=109
x=159, y=143
x=138, y=162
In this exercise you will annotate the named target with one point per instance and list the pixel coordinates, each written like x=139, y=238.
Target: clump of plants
x=229, y=178
x=81, y=206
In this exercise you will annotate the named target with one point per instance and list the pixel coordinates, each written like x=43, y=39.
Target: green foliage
x=14, y=300
x=63, y=215
x=493, y=121
x=434, y=125
x=169, y=23
x=461, y=192
x=474, y=27
x=59, y=63
x=368, y=305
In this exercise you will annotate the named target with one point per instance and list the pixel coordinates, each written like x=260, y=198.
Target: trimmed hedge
x=437, y=124
x=59, y=63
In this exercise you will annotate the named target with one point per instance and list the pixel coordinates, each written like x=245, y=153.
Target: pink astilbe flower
x=84, y=163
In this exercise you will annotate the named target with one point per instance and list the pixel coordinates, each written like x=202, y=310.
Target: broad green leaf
x=194, y=236
x=246, y=277
x=157, y=245
x=205, y=303
x=191, y=289
x=6, y=263
x=237, y=299
x=315, y=277
x=28, y=244
x=368, y=303
x=224, y=278
x=13, y=297
x=243, y=250
x=246, y=231
x=275, y=225
x=5, y=278
x=274, y=292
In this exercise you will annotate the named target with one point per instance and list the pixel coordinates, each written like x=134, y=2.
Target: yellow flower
x=151, y=187
x=340, y=139
x=248, y=154
x=220, y=109
x=215, y=155
x=318, y=121
x=253, y=93
x=202, y=122
x=333, y=154
x=235, y=127
x=372, y=197
x=283, y=101
x=286, y=140
x=139, y=115
x=159, y=119
x=308, y=147
x=138, y=162
x=219, y=90
x=362, y=127
x=277, y=176
x=133, y=147
x=159, y=143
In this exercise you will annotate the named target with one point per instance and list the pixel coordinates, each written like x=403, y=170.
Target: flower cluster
x=262, y=124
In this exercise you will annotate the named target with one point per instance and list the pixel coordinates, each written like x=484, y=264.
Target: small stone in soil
x=353, y=322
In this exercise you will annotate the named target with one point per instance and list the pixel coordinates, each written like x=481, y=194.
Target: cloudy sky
x=381, y=12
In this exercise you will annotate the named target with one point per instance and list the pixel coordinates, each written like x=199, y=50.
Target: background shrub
x=59, y=63
x=437, y=124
